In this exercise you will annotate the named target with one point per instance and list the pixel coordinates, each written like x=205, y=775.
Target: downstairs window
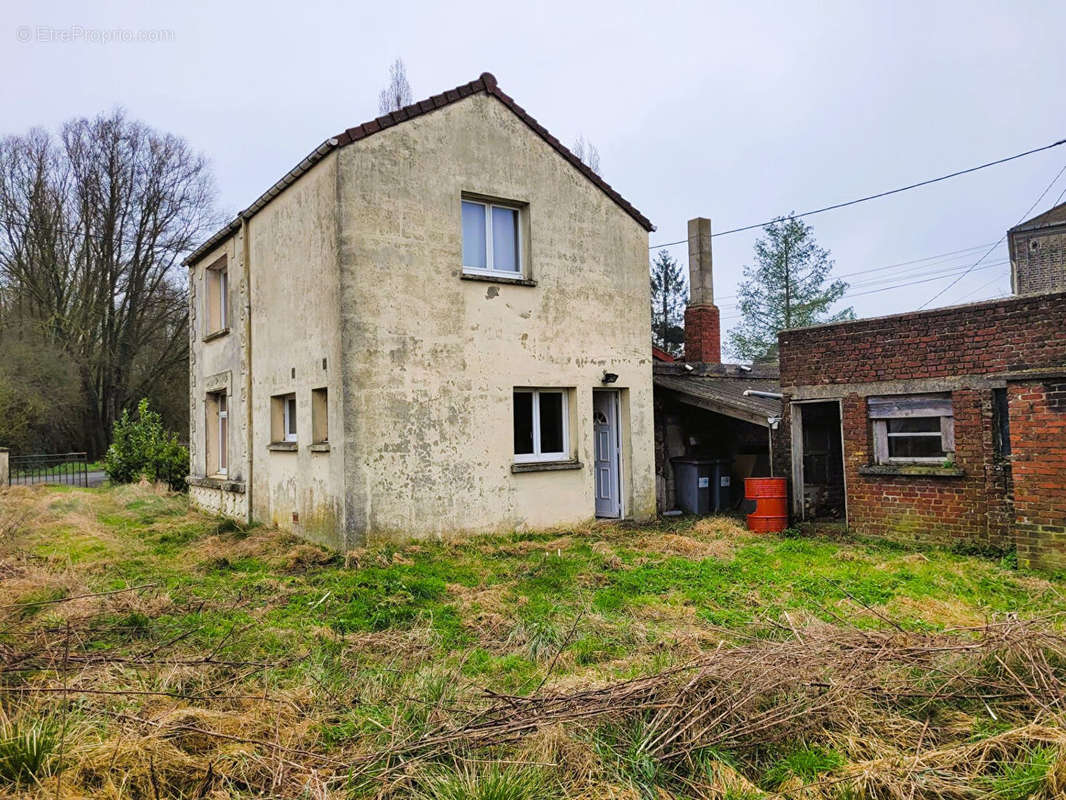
x=910, y=429
x=541, y=425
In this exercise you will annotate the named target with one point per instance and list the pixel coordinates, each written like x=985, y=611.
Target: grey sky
x=736, y=111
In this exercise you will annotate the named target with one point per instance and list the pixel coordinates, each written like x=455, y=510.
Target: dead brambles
x=150, y=652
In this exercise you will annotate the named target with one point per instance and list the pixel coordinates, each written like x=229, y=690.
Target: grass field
x=225, y=662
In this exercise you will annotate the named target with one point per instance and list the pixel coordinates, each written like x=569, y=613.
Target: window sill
x=544, y=466
x=319, y=447
x=283, y=447
x=913, y=470
x=216, y=482
x=477, y=276
x=216, y=334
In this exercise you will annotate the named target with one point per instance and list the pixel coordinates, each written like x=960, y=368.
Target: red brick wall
x=1038, y=446
x=1006, y=335
x=973, y=508
x=703, y=334
x=995, y=502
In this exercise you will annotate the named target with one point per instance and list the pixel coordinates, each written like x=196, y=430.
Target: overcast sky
x=735, y=111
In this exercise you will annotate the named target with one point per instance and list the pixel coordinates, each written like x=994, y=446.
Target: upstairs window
x=916, y=428
x=491, y=239
x=541, y=425
x=216, y=280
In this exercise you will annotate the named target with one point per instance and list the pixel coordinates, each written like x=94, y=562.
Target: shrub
x=142, y=448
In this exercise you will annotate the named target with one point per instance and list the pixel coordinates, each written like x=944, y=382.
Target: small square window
x=912, y=428
x=541, y=425
x=492, y=238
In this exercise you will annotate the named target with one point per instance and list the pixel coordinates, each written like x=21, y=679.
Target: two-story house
x=437, y=322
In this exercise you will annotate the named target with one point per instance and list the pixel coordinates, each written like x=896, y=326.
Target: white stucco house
x=437, y=322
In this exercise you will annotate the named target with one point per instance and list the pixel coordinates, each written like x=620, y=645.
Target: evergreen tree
x=785, y=288
x=669, y=293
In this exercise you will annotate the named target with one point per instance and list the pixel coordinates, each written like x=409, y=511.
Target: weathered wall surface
x=1038, y=441
x=977, y=339
x=973, y=507
x=295, y=348
x=431, y=359
x=967, y=351
x=218, y=362
x=1038, y=260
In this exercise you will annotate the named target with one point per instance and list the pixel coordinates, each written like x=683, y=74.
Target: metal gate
x=70, y=469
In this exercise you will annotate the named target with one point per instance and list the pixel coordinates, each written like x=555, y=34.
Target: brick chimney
x=703, y=335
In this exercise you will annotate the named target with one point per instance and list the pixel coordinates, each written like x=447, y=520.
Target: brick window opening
x=912, y=429
x=1001, y=422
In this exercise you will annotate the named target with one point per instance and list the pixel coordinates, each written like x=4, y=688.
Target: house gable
x=485, y=84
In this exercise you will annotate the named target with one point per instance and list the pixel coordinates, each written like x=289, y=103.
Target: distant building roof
x=720, y=388
x=485, y=83
x=1053, y=216
x=659, y=354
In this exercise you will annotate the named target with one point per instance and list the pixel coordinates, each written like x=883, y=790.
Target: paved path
x=95, y=477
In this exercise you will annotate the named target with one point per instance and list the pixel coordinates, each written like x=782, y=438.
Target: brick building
x=944, y=426
x=1038, y=253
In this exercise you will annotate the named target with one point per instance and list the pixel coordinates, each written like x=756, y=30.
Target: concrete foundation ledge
x=545, y=466
x=222, y=484
x=913, y=470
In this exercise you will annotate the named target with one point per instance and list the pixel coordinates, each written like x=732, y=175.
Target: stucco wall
x=430, y=359
x=219, y=363
x=295, y=348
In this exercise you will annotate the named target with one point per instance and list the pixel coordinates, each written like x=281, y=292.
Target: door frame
x=796, y=420
x=616, y=406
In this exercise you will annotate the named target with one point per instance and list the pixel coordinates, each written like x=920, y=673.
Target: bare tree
x=588, y=154
x=397, y=93
x=92, y=229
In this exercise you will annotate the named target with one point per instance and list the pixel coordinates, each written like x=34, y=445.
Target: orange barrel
x=771, y=504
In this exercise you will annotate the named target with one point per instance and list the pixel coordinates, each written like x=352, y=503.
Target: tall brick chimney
x=703, y=335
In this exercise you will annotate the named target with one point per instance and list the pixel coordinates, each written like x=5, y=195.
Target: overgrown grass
x=386, y=643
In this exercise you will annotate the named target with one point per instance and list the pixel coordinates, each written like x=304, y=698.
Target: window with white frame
x=541, y=425
x=283, y=418
x=918, y=428
x=492, y=238
x=289, y=412
x=218, y=433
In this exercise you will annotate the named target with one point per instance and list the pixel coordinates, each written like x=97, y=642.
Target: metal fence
x=71, y=469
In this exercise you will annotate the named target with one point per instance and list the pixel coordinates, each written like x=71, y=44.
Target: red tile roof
x=485, y=83
x=661, y=355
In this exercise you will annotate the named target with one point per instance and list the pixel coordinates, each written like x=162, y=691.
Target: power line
x=850, y=295
x=997, y=244
x=898, y=264
x=876, y=196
